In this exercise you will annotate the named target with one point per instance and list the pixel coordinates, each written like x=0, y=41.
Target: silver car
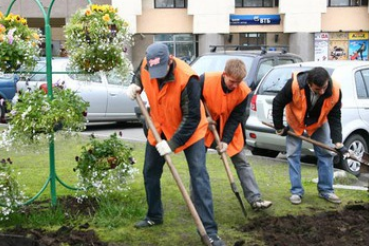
x=106, y=93
x=353, y=77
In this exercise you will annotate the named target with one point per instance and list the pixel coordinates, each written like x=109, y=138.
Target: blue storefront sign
x=254, y=20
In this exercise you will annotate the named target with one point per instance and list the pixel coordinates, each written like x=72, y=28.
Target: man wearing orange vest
x=313, y=107
x=173, y=91
x=225, y=95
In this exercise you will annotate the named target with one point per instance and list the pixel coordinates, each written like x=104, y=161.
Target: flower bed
x=97, y=40
x=19, y=45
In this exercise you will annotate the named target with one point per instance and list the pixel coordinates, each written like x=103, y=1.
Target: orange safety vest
x=165, y=104
x=296, y=110
x=221, y=105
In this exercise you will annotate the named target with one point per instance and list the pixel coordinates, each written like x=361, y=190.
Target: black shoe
x=147, y=223
x=216, y=241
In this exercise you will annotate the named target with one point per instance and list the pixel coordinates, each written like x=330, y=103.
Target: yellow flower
x=1, y=15
x=94, y=7
x=23, y=21
x=2, y=28
x=36, y=36
x=88, y=12
x=106, y=17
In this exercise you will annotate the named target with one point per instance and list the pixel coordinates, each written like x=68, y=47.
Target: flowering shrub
x=36, y=114
x=104, y=167
x=11, y=195
x=19, y=44
x=97, y=39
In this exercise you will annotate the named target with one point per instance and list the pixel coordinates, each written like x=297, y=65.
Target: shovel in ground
x=225, y=163
x=363, y=160
x=173, y=170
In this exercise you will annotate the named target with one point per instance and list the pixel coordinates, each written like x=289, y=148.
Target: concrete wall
x=302, y=44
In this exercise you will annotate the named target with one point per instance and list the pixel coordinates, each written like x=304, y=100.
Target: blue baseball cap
x=157, y=56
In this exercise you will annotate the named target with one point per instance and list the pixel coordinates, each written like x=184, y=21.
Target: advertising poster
x=338, y=46
x=321, y=46
x=338, y=50
x=358, y=46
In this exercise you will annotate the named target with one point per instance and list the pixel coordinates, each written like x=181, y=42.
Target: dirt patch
x=349, y=227
x=74, y=236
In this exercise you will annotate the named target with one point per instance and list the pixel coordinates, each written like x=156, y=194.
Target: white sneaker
x=295, y=199
x=330, y=197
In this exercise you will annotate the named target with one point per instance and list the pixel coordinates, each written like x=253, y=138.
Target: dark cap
x=157, y=56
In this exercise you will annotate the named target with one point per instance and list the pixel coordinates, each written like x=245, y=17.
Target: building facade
x=314, y=29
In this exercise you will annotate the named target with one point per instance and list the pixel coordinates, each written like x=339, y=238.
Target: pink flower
x=10, y=36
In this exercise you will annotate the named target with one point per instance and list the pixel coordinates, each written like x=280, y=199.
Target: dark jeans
x=203, y=202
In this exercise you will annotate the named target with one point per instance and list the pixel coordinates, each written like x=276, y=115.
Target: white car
x=354, y=79
x=106, y=93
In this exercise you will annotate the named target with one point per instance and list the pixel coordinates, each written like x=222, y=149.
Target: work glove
x=343, y=151
x=283, y=131
x=132, y=91
x=163, y=148
x=222, y=147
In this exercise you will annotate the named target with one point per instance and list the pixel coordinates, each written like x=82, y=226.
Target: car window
x=116, y=79
x=362, y=83
x=275, y=80
x=264, y=67
x=40, y=67
x=285, y=60
x=214, y=63
x=80, y=76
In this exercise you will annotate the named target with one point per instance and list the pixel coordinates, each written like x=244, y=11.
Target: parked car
x=106, y=92
x=258, y=63
x=7, y=92
x=353, y=77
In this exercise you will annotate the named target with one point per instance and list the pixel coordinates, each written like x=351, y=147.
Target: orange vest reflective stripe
x=165, y=104
x=296, y=110
x=221, y=105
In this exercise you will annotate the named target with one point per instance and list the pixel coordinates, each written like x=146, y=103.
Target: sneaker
x=261, y=204
x=330, y=197
x=295, y=199
x=147, y=223
x=216, y=241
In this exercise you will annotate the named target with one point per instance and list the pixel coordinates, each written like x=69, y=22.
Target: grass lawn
x=117, y=214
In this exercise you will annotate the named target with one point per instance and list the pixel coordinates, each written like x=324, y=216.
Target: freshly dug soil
x=349, y=227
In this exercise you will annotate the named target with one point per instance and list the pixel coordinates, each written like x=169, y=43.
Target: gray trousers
x=246, y=176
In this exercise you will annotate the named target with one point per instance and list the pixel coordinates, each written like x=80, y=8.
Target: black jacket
x=312, y=114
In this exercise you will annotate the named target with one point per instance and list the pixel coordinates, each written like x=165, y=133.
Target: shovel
x=226, y=165
x=173, y=170
x=363, y=160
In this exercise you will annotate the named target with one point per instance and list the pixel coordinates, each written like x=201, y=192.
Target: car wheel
x=265, y=152
x=358, y=146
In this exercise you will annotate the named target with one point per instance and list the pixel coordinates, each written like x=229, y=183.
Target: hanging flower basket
x=19, y=45
x=36, y=114
x=97, y=40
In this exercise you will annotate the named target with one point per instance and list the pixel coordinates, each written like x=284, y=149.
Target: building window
x=256, y=3
x=182, y=46
x=342, y=3
x=170, y=4
x=253, y=40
